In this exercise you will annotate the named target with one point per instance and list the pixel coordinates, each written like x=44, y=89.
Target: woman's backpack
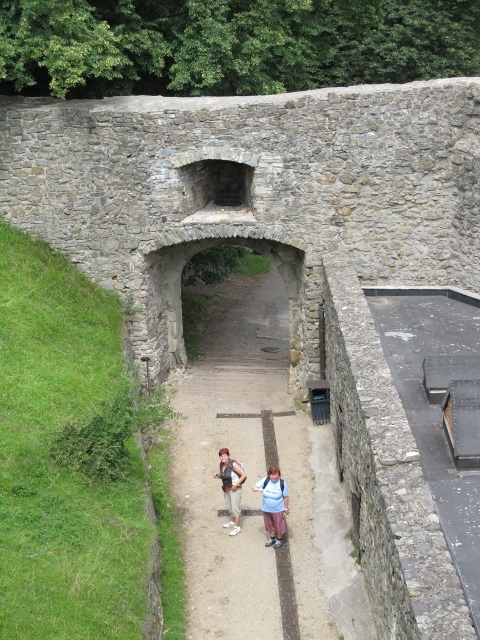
x=230, y=464
x=267, y=480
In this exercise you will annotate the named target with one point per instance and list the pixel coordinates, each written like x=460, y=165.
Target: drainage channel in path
x=286, y=586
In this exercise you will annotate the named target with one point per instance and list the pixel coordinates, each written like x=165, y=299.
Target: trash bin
x=319, y=397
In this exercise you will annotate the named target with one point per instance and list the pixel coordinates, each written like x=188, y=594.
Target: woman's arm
x=286, y=499
x=257, y=488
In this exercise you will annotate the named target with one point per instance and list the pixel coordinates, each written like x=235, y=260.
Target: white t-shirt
x=273, y=495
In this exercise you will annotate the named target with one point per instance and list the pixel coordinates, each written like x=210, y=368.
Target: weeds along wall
x=388, y=173
x=380, y=465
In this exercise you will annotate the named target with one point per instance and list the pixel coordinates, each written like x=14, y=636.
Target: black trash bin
x=319, y=397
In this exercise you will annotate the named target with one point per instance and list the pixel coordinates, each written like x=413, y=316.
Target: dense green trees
x=412, y=40
x=213, y=265
x=88, y=48
x=246, y=47
x=57, y=46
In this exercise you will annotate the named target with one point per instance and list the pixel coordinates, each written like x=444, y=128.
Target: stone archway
x=163, y=307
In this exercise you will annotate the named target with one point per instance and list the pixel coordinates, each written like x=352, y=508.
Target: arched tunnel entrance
x=163, y=303
x=239, y=327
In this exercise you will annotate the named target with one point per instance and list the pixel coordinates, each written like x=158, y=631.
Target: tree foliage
x=213, y=265
x=71, y=42
x=91, y=48
x=413, y=40
x=247, y=47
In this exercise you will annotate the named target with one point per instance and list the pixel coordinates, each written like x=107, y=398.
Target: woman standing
x=275, y=506
x=232, y=476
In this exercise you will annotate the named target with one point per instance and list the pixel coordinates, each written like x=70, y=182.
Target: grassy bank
x=74, y=554
x=173, y=574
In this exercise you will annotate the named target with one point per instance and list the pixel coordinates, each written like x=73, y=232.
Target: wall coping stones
x=299, y=99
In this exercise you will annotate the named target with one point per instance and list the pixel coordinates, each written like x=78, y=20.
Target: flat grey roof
x=410, y=328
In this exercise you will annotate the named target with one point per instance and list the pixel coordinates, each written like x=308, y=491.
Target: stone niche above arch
x=217, y=183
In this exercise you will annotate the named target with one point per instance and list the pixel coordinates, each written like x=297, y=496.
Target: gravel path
x=232, y=581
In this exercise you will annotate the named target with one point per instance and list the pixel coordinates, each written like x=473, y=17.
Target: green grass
x=74, y=555
x=254, y=264
x=173, y=573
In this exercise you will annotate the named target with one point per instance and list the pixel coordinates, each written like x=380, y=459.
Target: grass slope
x=74, y=556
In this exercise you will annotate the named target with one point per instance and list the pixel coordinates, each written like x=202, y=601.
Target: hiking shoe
x=228, y=524
x=234, y=531
x=277, y=544
x=271, y=542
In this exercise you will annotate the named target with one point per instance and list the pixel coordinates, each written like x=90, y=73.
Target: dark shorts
x=274, y=522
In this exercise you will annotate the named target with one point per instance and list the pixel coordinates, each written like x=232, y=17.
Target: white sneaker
x=234, y=532
x=228, y=524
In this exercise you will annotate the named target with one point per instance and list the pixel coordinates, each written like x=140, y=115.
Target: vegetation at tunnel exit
x=196, y=307
x=213, y=265
x=253, y=264
x=95, y=48
x=75, y=553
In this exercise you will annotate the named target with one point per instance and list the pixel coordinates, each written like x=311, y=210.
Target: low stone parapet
x=413, y=587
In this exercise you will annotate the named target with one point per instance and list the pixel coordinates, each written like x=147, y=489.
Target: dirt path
x=232, y=581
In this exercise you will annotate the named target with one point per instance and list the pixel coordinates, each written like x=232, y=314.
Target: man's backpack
x=230, y=464
x=267, y=480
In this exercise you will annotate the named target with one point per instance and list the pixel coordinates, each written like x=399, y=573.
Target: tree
x=245, y=47
x=93, y=48
x=413, y=40
x=87, y=48
x=58, y=45
x=213, y=265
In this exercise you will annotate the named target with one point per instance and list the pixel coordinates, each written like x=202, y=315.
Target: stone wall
x=412, y=583
x=386, y=172
x=153, y=623
x=465, y=242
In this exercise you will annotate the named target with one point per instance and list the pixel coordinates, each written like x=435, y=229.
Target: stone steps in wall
x=254, y=376
x=227, y=362
x=236, y=385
